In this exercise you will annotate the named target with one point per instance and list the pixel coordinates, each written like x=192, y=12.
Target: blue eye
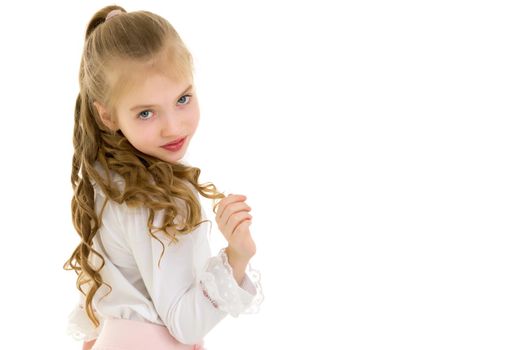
x=144, y=115
x=188, y=99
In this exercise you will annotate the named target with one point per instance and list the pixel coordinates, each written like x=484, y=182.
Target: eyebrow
x=149, y=106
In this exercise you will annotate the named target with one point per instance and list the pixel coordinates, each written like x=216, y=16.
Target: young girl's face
x=156, y=113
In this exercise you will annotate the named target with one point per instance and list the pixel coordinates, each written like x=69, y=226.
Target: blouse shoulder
x=115, y=178
x=118, y=218
x=135, y=218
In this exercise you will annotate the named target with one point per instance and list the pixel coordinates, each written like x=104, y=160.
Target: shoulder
x=111, y=212
x=133, y=218
x=114, y=178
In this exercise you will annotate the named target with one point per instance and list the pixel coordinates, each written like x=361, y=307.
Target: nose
x=171, y=124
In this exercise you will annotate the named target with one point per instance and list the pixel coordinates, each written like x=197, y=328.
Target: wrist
x=238, y=264
x=236, y=258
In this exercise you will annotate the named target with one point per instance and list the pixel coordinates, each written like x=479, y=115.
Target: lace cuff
x=80, y=326
x=220, y=287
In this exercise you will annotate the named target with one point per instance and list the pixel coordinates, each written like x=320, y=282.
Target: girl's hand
x=234, y=220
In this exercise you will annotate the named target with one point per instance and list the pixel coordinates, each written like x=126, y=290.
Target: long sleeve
x=191, y=290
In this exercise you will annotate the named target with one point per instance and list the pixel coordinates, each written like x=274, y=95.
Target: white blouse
x=190, y=292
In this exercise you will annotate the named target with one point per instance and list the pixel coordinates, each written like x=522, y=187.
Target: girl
x=144, y=265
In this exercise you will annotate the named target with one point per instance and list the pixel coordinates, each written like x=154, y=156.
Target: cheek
x=140, y=136
x=196, y=121
x=195, y=117
x=145, y=136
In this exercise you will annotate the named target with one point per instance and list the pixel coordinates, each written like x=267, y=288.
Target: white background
x=379, y=143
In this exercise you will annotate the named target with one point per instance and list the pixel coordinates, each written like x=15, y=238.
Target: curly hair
x=142, y=38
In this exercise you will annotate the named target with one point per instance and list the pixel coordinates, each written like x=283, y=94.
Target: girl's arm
x=191, y=290
x=191, y=299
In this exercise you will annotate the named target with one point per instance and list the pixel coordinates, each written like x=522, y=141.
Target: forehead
x=134, y=78
x=151, y=85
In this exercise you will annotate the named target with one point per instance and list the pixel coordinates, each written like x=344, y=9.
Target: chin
x=173, y=160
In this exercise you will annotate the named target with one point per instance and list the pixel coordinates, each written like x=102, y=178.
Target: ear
x=105, y=116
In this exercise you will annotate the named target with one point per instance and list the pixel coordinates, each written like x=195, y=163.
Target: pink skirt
x=117, y=334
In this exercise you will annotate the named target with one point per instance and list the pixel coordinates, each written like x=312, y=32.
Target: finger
x=223, y=220
x=234, y=208
x=235, y=220
x=225, y=202
x=243, y=226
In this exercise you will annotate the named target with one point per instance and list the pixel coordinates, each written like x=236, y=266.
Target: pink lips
x=175, y=145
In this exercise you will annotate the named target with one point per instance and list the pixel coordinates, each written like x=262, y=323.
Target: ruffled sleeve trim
x=80, y=327
x=219, y=286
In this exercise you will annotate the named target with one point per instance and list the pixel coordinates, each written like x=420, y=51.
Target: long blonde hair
x=137, y=37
